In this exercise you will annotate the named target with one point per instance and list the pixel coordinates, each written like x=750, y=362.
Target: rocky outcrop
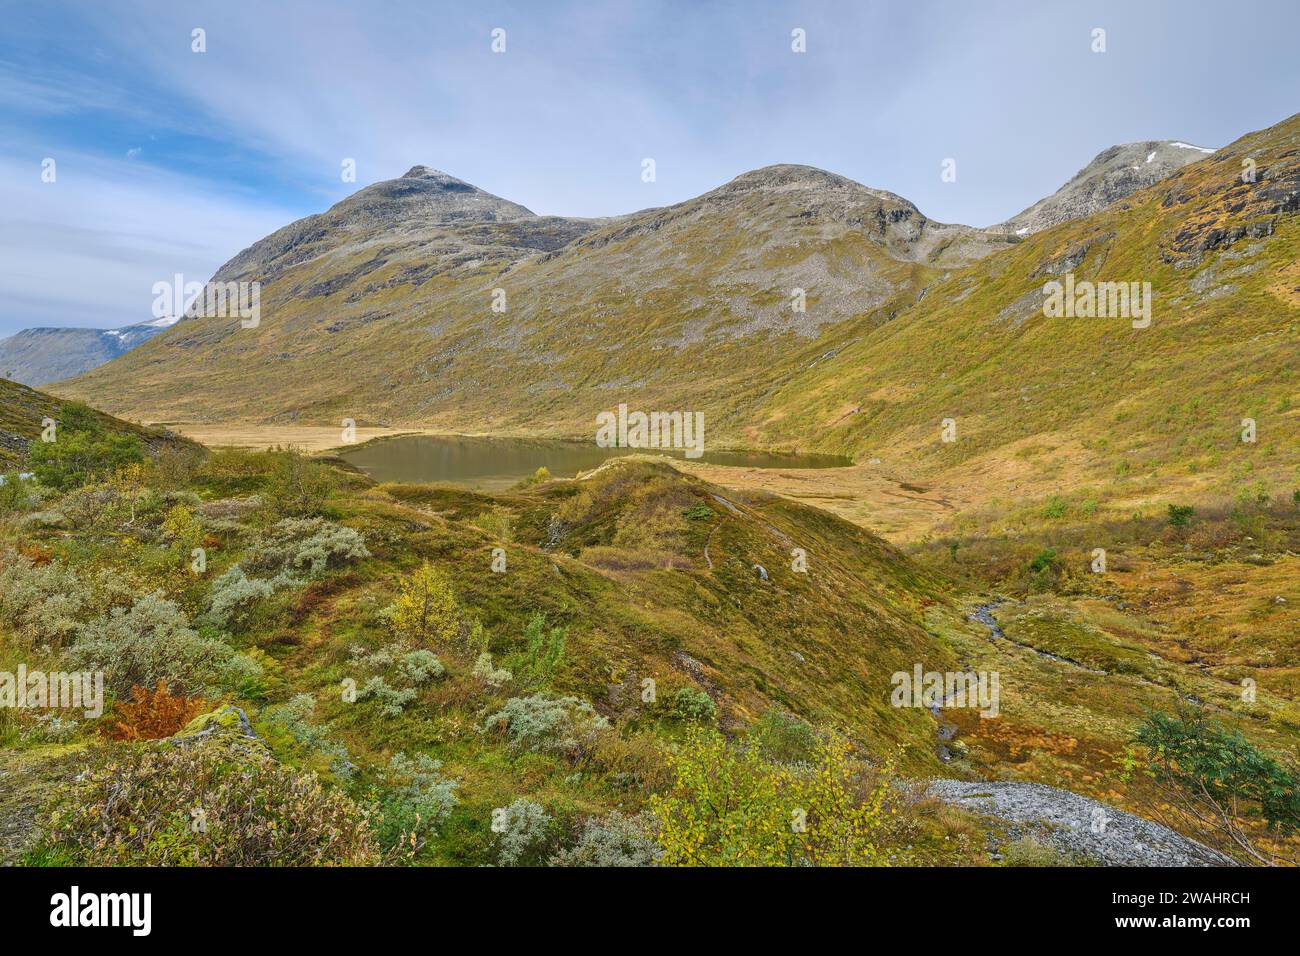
x=1112, y=175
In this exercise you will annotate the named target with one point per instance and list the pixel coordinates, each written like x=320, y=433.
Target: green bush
x=692, y=705
x=783, y=737
x=1216, y=769
x=1044, y=561
x=81, y=451
x=296, y=485
x=543, y=653
x=1056, y=507
x=1180, y=516
x=413, y=798
x=17, y=493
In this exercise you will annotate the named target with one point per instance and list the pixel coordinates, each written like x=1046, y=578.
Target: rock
x=1079, y=826
x=228, y=723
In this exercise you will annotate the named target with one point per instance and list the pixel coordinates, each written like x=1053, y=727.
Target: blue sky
x=172, y=161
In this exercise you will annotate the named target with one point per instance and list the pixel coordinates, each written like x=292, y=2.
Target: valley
x=425, y=629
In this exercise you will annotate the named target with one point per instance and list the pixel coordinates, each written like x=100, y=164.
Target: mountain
x=381, y=310
x=38, y=356
x=1112, y=175
x=594, y=308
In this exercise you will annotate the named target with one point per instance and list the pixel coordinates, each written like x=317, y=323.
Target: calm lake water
x=495, y=463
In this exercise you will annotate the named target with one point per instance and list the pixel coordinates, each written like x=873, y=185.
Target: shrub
x=698, y=512
x=783, y=737
x=151, y=715
x=1214, y=776
x=523, y=830
x=392, y=700
x=1044, y=562
x=234, y=596
x=484, y=671
x=692, y=705
x=153, y=642
x=18, y=493
x=81, y=451
x=291, y=718
x=413, y=799
x=613, y=840
x=1056, y=507
x=420, y=666
x=426, y=610
x=540, y=476
x=215, y=802
x=731, y=807
x=182, y=530
x=413, y=668
x=43, y=603
x=543, y=652
x=1180, y=516
x=297, y=485
x=307, y=545
x=545, y=724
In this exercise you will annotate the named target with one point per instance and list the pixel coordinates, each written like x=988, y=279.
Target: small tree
x=1180, y=516
x=732, y=807
x=426, y=610
x=82, y=451
x=543, y=652
x=1217, y=778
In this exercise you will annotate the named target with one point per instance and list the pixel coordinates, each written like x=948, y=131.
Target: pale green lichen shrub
x=151, y=642
x=523, y=831
x=612, y=840
x=547, y=724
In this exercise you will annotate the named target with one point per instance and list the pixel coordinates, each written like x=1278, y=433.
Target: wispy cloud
x=86, y=249
x=253, y=131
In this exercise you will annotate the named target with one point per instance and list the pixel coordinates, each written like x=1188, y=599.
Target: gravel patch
x=1078, y=825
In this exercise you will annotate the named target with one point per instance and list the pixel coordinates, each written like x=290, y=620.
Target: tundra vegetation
x=344, y=678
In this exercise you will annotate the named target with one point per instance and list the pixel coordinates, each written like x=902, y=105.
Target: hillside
x=689, y=306
x=1045, y=404
x=23, y=409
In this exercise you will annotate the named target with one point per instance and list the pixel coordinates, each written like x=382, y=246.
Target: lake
x=491, y=464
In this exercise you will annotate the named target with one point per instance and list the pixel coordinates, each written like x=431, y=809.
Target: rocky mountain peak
x=1113, y=174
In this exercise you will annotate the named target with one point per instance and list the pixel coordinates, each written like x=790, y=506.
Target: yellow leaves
x=426, y=608
x=731, y=807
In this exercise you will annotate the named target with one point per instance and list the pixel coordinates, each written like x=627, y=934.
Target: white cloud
x=86, y=249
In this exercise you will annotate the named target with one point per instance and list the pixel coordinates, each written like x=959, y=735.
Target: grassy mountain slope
x=1046, y=403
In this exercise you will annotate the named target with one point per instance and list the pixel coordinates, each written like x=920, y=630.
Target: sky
x=168, y=160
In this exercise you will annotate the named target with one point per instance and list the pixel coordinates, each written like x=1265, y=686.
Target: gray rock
x=1079, y=826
